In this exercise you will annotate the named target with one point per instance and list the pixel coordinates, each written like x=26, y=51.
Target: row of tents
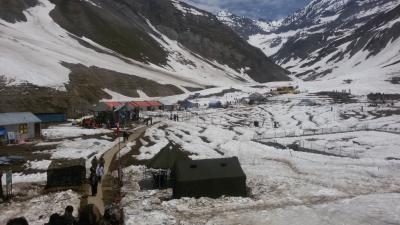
x=170, y=168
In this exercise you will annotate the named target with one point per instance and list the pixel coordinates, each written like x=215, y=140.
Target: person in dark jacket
x=93, y=182
x=89, y=215
x=94, y=162
x=68, y=217
x=125, y=135
x=18, y=221
x=56, y=219
x=101, y=161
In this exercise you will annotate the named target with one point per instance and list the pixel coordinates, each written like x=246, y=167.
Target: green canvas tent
x=167, y=157
x=209, y=178
x=66, y=172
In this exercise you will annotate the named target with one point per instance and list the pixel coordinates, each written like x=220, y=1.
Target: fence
x=323, y=131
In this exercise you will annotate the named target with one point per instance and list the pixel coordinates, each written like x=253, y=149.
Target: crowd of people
x=174, y=117
x=88, y=215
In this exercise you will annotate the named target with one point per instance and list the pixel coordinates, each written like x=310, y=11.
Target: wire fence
x=323, y=131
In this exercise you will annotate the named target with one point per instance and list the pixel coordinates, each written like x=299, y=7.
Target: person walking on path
x=94, y=162
x=126, y=136
x=99, y=172
x=101, y=161
x=93, y=181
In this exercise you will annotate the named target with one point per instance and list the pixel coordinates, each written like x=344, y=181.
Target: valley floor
x=348, y=177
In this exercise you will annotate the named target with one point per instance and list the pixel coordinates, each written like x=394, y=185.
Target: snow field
x=37, y=210
x=285, y=186
x=68, y=131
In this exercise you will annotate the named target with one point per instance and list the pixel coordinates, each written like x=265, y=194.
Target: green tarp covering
x=209, y=178
x=167, y=157
x=66, y=172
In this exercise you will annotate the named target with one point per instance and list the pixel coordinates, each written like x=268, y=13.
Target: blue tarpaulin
x=3, y=131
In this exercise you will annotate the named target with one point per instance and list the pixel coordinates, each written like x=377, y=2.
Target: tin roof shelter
x=22, y=124
x=15, y=118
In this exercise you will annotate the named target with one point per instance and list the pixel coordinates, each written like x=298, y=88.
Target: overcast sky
x=268, y=9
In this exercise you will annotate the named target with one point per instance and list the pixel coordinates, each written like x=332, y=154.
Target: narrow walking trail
x=108, y=158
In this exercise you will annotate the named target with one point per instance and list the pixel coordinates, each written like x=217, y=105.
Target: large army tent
x=66, y=172
x=167, y=157
x=209, y=178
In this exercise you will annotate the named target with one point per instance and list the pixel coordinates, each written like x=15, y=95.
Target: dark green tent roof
x=208, y=169
x=102, y=107
x=66, y=163
x=167, y=156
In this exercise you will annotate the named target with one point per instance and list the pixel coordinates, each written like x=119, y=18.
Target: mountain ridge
x=337, y=40
x=166, y=42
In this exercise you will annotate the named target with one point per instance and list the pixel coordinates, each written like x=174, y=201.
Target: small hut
x=19, y=126
x=214, y=104
x=186, y=104
x=52, y=117
x=209, y=178
x=256, y=98
x=66, y=172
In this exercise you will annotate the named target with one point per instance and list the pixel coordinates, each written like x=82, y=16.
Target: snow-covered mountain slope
x=168, y=47
x=339, y=42
x=246, y=27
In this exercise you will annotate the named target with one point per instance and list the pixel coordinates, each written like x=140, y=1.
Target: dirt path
x=108, y=157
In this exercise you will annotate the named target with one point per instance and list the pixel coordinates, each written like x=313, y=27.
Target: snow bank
x=37, y=210
x=68, y=130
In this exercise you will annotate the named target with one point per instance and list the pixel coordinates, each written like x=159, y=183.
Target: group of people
x=174, y=117
x=88, y=215
x=96, y=173
x=148, y=121
x=55, y=219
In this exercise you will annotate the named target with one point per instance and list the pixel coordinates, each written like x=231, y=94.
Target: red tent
x=133, y=104
x=113, y=104
x=142, y=104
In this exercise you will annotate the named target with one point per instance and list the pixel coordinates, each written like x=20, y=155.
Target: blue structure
x=52, y=117
x=214, y=104
x=188, y=104
x=3, y=135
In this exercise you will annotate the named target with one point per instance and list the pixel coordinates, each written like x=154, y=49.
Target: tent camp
x=209, y=178
x=66, y=172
